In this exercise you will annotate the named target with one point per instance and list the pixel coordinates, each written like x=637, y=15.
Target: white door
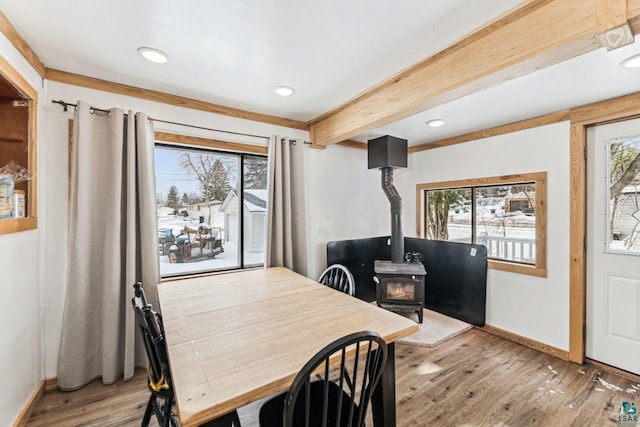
x=613, y=245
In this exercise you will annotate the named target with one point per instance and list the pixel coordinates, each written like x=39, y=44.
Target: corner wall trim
x=30, y=406
x=528, y=342
x=50, y=383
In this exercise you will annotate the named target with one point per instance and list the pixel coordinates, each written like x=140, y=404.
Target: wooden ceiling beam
x=612, y=26
x=537, y=34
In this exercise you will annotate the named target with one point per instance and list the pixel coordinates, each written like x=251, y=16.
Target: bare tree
x=627, y=175
x=624, y=170
x=210, y=173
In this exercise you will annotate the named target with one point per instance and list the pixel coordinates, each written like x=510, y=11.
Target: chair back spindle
x=333, y=389
x=337, y=276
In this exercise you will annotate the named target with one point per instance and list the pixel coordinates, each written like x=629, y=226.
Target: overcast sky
x=169, y=172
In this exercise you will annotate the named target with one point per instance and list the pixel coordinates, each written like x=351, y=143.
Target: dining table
x=238, y=337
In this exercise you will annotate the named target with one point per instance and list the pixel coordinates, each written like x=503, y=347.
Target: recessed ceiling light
x=284, y=90
x=153, y=55
x=435, y=123
x=631, y=62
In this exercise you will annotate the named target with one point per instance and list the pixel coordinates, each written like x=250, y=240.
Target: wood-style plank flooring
x=475, y=379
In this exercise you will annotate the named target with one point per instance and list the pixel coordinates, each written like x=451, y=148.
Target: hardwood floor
x=475, y=379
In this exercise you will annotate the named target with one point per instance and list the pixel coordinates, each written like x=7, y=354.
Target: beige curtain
x=286, y=224
x=112, y=244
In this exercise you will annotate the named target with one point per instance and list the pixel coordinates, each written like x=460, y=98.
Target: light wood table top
x=238, y=337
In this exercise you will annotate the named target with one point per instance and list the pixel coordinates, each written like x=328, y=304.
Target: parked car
x=195, y=244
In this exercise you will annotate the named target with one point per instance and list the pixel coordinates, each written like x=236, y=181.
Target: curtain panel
x=112, y=244
x=286, y=218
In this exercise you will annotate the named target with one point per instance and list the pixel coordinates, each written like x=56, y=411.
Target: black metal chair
x=333, y=388
x=337, y=276
x=160, y=384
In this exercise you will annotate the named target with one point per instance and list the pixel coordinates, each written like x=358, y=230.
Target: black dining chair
x=333, y=389
x=160, y=383
x=337, y=276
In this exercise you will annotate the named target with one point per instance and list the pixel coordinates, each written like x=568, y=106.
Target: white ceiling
x=233, y=52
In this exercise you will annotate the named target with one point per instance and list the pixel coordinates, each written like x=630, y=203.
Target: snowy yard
x=509, y=237
x=492, y=222
x=226, y=260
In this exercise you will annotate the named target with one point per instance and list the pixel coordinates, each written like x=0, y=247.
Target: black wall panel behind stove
x=456, y=281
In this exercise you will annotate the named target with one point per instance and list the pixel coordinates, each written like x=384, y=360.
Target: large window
x=211, y=210
x=506, y=214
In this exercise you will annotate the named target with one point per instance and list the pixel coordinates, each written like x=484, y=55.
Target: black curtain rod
x=65, y=105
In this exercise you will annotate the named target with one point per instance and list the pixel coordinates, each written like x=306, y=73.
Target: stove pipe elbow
x=397, y=238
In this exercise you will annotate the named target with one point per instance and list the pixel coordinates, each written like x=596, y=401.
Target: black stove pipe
x=397, y=239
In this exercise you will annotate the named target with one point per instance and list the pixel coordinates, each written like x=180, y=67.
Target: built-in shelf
x=15, y=225
x=18, y=107
x=12, y=140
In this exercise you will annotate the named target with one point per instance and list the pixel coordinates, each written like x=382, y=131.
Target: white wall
x=20, y=335
x=345, y=201
x=534, y=307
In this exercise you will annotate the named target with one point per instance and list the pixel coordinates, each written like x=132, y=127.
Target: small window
x=623, y=182
x=202, y=226
x=506, y=214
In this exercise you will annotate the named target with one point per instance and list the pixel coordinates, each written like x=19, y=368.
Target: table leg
x=383, y=399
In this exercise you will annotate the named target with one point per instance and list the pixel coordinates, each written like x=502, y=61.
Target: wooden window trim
x=217, y=144
x=30, y=222
x=540, y=179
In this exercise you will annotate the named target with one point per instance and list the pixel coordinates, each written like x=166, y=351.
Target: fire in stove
x=401, y=291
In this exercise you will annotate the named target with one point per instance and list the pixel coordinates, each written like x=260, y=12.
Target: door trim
x=613, y=110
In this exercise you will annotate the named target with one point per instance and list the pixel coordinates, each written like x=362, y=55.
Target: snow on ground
x=226, y=260
x=492, y=222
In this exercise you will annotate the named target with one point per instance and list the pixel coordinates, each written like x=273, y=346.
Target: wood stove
x=400, y=287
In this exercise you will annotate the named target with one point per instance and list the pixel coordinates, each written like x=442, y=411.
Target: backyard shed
x=255, y=209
